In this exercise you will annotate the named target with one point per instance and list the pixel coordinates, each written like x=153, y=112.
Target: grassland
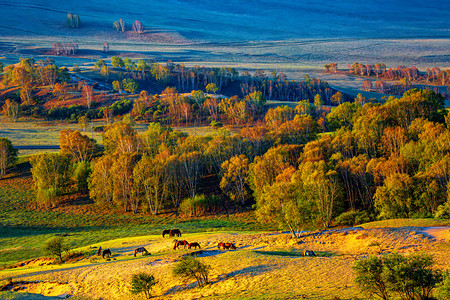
x=266, y=265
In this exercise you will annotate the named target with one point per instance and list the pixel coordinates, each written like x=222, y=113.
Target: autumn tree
x=138, y=28
x=101, y=187
x=124, y=186
x=151, y=178
x=8, y=155
x=60, y=90
x=11, y=109
x=121, y=138
x=117, y=62
x=234, y=175
x=88, y=95
x=80, y=147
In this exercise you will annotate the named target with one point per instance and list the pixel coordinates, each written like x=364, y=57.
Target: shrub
x=352, y=218
x=143, y=283
x=369, y=277
x=411, y=277
x=443, y=211
x=190, y=267
x=443, y=289
x=216, y=124
x=199, y=205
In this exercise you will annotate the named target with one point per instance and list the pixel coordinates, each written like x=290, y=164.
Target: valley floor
x=264, y=266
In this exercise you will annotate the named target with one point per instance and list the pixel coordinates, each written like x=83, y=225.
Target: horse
x=139, y=250
x=166, y=232
x=195, y=245
x=308, y=253
x=99, y=251
x=226, y=246
x=174, y=232
x=180, y=243
x=106, y=252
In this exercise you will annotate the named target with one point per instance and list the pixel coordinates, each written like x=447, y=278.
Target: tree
x=100, y=182
x=51, y=175
x=105, y=71
x=190, y=267
x=73, y=20
x=138, y=27
x=105, y=47
x=88, y=95
x=120, y=138
x=125, y=188
x=130, y=85
x=318, y=102
x=143, y=283
x=117, y=62
x=60, y=90
x=337, y=98
x=150, y=175
x=234, y=175
x=55, y=246
x=212, y=88
x=11, y=109
x=8, y=155
x=79, y=147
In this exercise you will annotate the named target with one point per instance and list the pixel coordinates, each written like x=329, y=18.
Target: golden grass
x=265, y=265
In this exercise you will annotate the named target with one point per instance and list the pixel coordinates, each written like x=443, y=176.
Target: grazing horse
x=99, y=251
x=139, y=250
x=107, y=252
x=166, y=232
x=180, y=243
x=195, y=245
x=226, y=246
x=174, y=232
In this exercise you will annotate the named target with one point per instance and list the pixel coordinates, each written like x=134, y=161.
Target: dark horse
x=195, y=245
x=226, y=246
x=180, y=243
x=139, y=250
x=174, y=232
x=99, y=251
x=166, y=232
x=106, y=252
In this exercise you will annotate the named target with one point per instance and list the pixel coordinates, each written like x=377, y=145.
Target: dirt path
x=439, y=233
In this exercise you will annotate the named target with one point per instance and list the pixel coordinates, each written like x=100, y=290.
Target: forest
x=296, y=166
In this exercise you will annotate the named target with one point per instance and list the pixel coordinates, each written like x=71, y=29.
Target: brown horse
x=167, y=231
x=106, y=252
x=99, y=251
x=226, y=246
x=180, y=243
x=174, y=232
x=195, y=245
x=139, y=250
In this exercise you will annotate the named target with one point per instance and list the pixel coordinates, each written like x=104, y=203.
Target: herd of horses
x=171, y=233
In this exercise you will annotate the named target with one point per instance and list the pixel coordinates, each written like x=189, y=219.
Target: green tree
x=51, y=175
x=143, y=283
x=8, y=155
x=318, y=102
x=190, y=267
x=55, y=246
x=117, y=62
x=212, y=88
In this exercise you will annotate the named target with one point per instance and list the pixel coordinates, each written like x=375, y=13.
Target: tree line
x=362, y=162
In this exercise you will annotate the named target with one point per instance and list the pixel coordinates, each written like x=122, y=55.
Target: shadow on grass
x=293, y=253
x=248, y=271
x=22, y=295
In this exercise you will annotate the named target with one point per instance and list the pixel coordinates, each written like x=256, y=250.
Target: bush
x=443, y=211
x=143, y=283
x=411, y=277
x=443, y=289
x=190, y=267
x=199, y=205
x=352, y=218
x=216, y=124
